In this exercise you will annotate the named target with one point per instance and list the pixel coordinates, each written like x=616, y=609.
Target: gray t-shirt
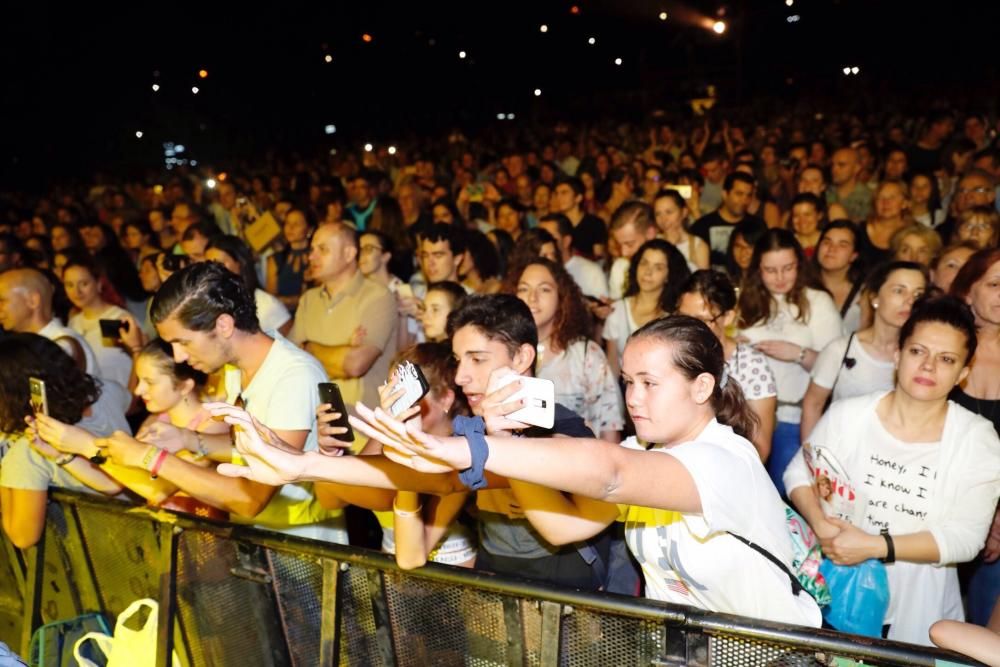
x=24, y=468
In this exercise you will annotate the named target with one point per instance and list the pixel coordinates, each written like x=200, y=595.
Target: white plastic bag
x=128, y=647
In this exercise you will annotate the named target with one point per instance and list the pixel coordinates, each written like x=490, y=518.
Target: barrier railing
x=233, y=595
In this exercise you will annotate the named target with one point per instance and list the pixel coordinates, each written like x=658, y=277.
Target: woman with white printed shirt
x=710, y=297
x=790, y=322
x=921, y=474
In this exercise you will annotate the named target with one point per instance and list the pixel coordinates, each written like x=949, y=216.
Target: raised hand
x=851, y=545
x=166, y=436
x=326, y=432
x=64, y=437
x=269, y=460
x=407, y=445
x=495, y=407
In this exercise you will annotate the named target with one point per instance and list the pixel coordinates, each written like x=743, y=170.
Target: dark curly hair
x=198, y=294
x=677, y=272
x=69, y=390
x=572, y=320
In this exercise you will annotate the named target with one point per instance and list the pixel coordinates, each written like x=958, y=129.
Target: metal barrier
x=232, y=595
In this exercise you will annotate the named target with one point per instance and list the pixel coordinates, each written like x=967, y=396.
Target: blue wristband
x=474, y=430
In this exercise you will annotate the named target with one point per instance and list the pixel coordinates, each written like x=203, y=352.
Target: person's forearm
x=805, y=501
x=914, y=548
x=344, y=361
x=556, y=517
x=234, y=495
x=596, y=469
x=809, y=358
x=377, y=472
x=92, y=476
x=332, y=495
x=812, y=409
x=409, y=531
x=155, y=491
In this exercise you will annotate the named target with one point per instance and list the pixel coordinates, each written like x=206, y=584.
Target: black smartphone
x=38, y=398
x=113, y=328
x=329, y=392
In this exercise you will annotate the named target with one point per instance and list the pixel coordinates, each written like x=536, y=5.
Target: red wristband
x=154, y=471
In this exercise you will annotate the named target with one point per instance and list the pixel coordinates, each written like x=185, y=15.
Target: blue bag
x=860, y=596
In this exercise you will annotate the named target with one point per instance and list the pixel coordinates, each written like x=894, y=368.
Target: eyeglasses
x=977, y=226
x=370, y=248
x=979, y=191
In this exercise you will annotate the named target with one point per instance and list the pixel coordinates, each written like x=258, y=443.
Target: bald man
x=845, y=189
x=26, y=307
x=348, y=322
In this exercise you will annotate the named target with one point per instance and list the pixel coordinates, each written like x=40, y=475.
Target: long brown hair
x=757, y=304
x=572, y=319
x=697, y=350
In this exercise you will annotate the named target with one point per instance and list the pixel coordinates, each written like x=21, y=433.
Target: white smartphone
x=411, y=379
x=539, y=399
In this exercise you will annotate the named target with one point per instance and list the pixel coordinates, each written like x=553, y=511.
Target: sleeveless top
x=292, y=266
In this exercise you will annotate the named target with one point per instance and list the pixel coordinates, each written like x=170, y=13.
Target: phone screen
x=38, y=397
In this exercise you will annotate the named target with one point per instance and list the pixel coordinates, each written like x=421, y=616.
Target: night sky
x=77, y=80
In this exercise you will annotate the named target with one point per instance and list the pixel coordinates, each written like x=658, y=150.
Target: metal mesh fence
x=247, y=597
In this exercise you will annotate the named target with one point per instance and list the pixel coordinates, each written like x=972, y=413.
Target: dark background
x=76, y=81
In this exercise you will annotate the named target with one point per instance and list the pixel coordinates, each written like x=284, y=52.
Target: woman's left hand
x=123, y=449
x=851, y=545
x=64, y=437
x=781, y=350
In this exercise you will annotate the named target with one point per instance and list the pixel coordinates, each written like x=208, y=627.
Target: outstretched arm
x=590, y=468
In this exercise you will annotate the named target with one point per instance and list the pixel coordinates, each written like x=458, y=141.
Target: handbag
x=128, y=647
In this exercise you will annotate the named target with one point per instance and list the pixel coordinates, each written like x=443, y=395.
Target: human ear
x=523, y=359
x=702, y=388
x=225, y=325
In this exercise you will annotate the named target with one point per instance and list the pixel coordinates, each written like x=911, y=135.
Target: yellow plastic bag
x=128, y=647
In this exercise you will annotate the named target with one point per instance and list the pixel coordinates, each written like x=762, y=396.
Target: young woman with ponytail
x=688, y=487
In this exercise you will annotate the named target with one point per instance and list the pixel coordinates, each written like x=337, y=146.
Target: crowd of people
x=724, y=314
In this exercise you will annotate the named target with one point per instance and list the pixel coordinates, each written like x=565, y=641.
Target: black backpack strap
x=855, y=288
x=796, y=586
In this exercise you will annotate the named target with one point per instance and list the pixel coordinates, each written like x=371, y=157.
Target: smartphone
x=113, y=328
x=411, y=379
x=39, y=399
x=539, y=399
x=329, y=392
x=683, y=190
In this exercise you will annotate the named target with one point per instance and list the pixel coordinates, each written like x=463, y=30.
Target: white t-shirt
x=860, y=373
x=619, y=325
x=270, y=311
x=589, y=276
x=618, y=278
x=283, y=395
x=55, y=330
x=816, y=333
x=692, y=559
x=114, y=362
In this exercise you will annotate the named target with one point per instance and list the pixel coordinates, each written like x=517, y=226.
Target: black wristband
x=474, y=430
x=890, y=555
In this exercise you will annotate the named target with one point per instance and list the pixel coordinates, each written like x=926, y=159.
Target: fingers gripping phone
x=113, y=328
x=38, y=398
x=329, y=392
x=539, y=399
x=411, y=380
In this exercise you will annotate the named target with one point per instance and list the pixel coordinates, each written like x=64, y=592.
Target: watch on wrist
x=802, y=355
x=64, y=459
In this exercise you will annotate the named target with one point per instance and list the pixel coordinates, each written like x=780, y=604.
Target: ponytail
x=731, y=408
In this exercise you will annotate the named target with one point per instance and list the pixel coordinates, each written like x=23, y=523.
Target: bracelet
x=160, y=458
x=802, y=355
x=474, y=430
x=890, y=556
x=64, y=459
x=202, y=449
x=147, y=458
x=399, y=512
